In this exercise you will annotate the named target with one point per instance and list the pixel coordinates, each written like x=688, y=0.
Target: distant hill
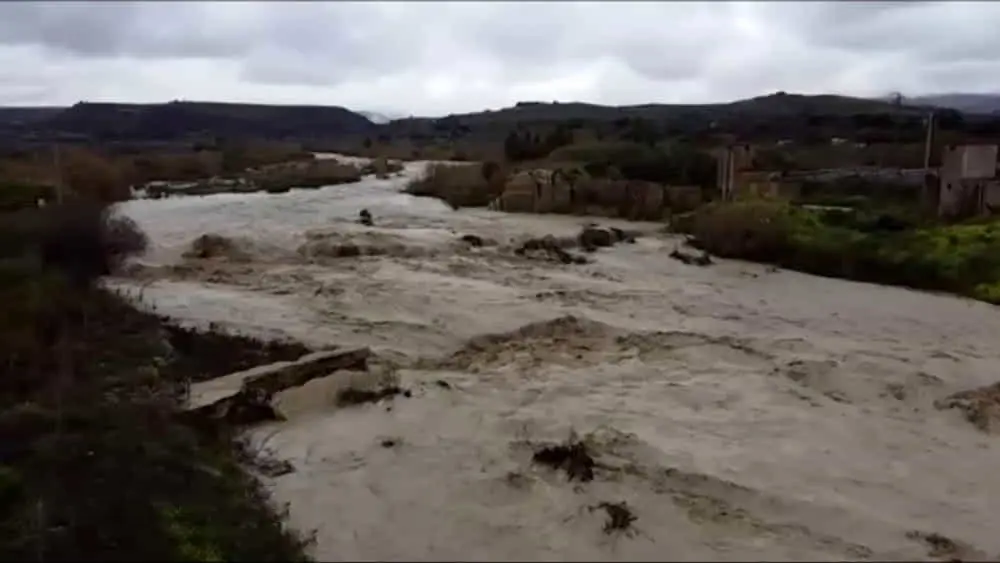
x=179, y=120
x=24, y=115
x=774, y=104
x=966, y=103
x=779, y=115
x=775, y=115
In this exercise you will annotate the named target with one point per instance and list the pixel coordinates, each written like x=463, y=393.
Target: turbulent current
x=741, y=412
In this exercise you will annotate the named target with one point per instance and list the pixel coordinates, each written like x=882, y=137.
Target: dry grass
x=97, y=175
x=460, y=185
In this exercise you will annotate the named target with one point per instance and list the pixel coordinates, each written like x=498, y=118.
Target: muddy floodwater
x=741, y=413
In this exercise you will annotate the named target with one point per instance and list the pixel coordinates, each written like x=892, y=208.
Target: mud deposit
x=630, y=408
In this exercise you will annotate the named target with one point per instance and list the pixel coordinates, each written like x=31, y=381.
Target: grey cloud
x=397, y=55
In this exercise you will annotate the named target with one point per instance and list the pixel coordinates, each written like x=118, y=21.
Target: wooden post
x=57, y=162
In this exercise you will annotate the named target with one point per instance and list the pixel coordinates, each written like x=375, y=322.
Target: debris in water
x=620, y=516
x=938, y=545
x=691, y=260
x=572, y=458
x=365, y=218
x=472, y=240
x=251, y=406
x=593, y=237
x=443, y=384
x=389, y=442
x=980, y=406
x=349, y=397
x=261, y=461
x=549, y=247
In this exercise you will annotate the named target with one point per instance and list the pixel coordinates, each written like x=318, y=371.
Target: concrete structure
x=731, y=162
x=967, y=181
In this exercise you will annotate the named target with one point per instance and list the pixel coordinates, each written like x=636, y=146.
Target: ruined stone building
x=738, y=177
x=967, y=182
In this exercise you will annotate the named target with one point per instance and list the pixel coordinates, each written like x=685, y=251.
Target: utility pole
x=929, y=142
x=932, y=183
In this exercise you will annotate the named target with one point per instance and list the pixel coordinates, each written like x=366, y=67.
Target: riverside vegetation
x=96, y=462
x=877, y=233
x=881, y=246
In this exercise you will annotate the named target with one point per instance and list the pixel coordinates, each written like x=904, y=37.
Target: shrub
x=756, y=230
x=678, y=165
x=21, y=195
x=962, y=259
x=313, y=174
x=79, y=240
x=459, y=185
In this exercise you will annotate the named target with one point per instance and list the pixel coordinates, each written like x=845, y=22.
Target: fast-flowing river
x=742, y=413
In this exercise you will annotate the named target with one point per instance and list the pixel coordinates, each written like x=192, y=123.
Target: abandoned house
x=967, y=182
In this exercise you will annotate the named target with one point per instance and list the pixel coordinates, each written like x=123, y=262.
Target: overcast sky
x=436, y=58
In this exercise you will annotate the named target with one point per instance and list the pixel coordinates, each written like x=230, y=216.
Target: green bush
x=678, y=165
x=962, y=259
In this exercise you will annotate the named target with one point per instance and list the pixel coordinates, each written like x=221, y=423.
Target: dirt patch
x=980, y=406
x=573, y=458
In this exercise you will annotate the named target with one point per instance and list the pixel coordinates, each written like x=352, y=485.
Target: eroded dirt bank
x=740, y=413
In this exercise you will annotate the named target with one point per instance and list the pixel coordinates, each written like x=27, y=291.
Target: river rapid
x=742, y=412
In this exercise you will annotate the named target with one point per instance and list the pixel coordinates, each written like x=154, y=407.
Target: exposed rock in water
x=572, y=458
x=214, y=246
x=703, y=259
x=472, y=240
x=365, y=218
x=548, y=247
x=595, y=237
x=619, y=516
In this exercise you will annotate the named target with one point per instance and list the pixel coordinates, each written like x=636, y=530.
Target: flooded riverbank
x=740, y=412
